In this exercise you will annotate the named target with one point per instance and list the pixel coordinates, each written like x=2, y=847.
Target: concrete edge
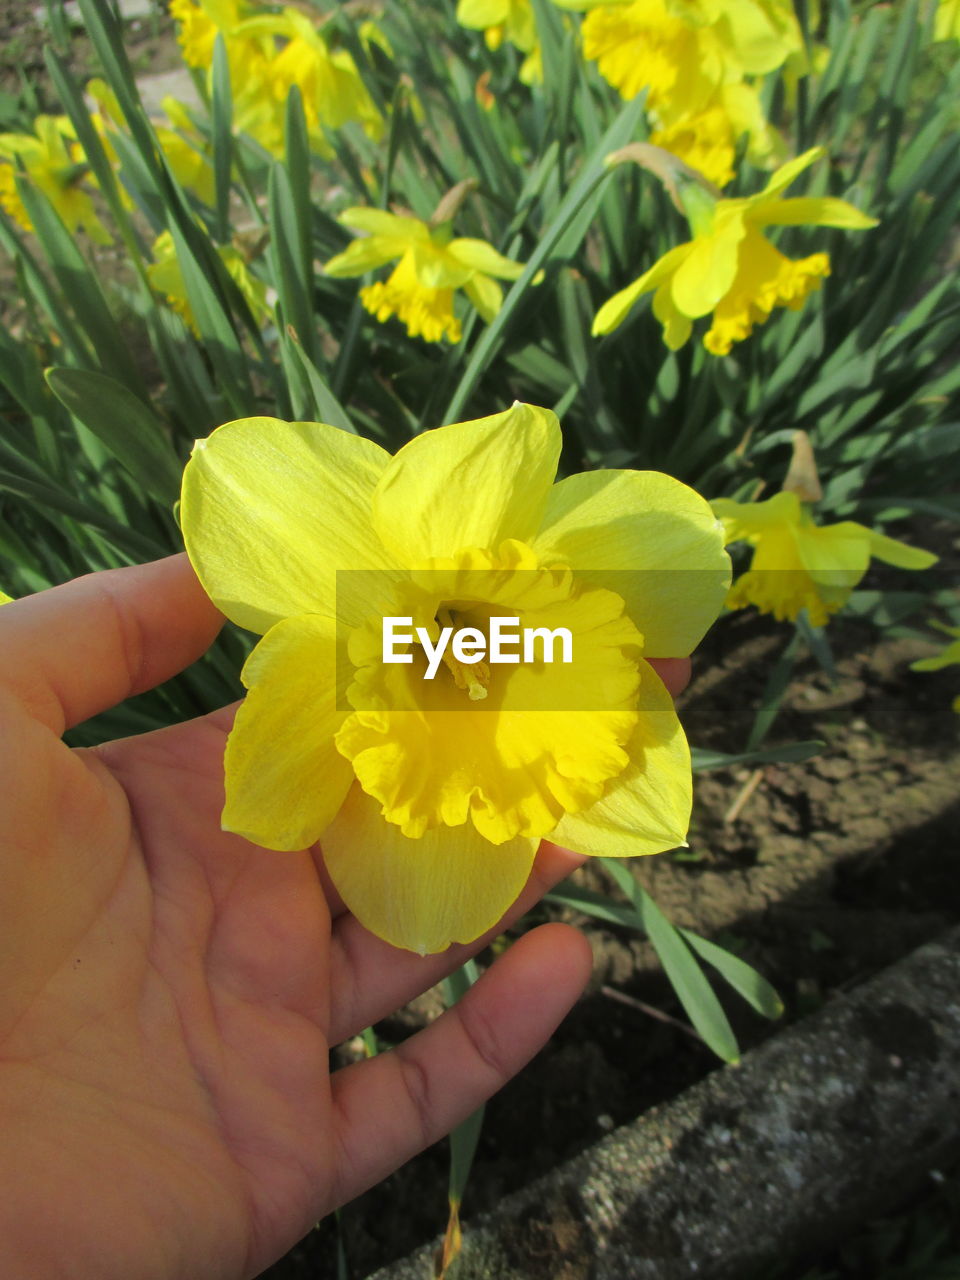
x=758, y=1164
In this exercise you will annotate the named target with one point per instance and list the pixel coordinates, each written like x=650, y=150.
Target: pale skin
x=169, y=993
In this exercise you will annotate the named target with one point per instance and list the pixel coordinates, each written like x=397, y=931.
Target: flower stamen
x=471, y=677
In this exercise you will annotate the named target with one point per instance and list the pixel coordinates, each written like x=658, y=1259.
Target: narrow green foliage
x=129, y=428
x=679, y=964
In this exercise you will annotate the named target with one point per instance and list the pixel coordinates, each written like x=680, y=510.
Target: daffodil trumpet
x=429, y=799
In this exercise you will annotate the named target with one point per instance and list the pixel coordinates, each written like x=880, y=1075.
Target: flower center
x=472, y=678
x=533, y=739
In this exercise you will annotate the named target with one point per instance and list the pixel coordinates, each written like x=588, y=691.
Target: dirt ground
x=833, y=869
x=149, y=44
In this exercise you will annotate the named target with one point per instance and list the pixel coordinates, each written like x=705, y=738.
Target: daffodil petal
x=746, y=520
x=893, y=551
x=709, y=269
x=450, y=885
x=378, y=222
x=834, y=555
x=438, y=269
x=365, y=254
x=285, y=779
x=429, y=502
x=820, y=211
x=676, y=326
x=615, y=310
x=479, y=14
x=485, y=294
x=481, y=256
x=646, y=809
x=788, y=173
x=624, y=530
x=271, y=510
x=762, y=35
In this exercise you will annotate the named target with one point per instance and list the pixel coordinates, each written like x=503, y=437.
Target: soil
x=831, y=870
x=25, y=88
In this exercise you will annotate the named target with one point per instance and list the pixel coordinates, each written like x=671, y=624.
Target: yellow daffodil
x=49, y=165
x=950, y=656
x=510, y=20
x=5, y=599
x=199, y=22
x=430, y=796
x=181, y=144
x=696, y=60
x=797, y=564
x=430, y=266
x=729, y=268
x=707, y=139
x=268, y=53
x=332, y=88
x=166, y=277
x=947, y=22
x=681, y=51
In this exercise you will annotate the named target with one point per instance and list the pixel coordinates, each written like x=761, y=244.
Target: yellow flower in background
x=430, y=798
x=730, y=269
x=45, y=154
x=681, y=51
x=950, y=656
x=332, y=88
x=707, y=140
x=430, y=267
x=697, y=63
x=947, y=22
x=798, y=564
x=189, y=164
x=510, y=20
x=5, y=599
x=182, y=146
x=199, y=22
x=500, y=20
x=166, y=277
x=268, y=53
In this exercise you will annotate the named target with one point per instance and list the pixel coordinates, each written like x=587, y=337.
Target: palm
x=196, y=1036
x=170, y=993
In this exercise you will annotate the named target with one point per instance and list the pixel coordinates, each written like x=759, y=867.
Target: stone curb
x=821, y=1126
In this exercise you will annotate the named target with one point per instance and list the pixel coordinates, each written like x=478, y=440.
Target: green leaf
x=594, y=904
x=290, y=270
x=744, y=979
x=578, y=205
x=46, y=496
x=130, y=429
x=464, y=1138
x=214, y=322
x=79, y=285
x=790, y=753
x=679, y=964
x=327, y=407
x=222, y=130
x=774, y=692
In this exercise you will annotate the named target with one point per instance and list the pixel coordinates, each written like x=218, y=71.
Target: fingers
x=75, y=650
x=674, y=672
x=390, y=1107
x=370, y=979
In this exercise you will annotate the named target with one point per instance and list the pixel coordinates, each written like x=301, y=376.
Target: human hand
x=169, y=992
